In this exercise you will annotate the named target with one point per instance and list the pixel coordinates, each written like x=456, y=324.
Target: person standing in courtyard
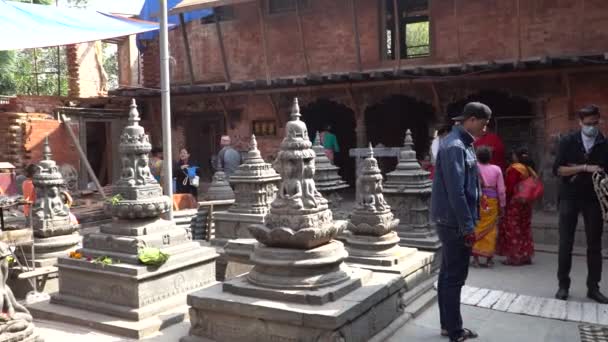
x=581, y=154
x=329, y=142
x=497, y=147
x=156, y=163
x=493, y=201
x=228, y=158
x=515, y=240
x=185, y=171
x=455, y=211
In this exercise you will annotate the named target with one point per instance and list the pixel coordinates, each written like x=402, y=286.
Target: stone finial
x=370, y=152
x=254, y=143
x=295, y=110
x=317, y=141
x=46, y=150
x=133, y=113
x=408, y=142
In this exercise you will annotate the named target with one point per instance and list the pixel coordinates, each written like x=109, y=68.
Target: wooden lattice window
x=413, y=25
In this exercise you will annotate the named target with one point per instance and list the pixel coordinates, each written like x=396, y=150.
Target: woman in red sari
x=515, y=234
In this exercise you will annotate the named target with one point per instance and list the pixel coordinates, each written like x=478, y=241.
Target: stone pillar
x=299, y=282
x=361, y=131
x=371, y=240
x=122, y=287
x=16, y=322
x=408, y=191
x=54, y=235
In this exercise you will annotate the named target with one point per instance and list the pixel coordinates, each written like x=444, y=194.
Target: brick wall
x=85, y=73
x=462, y=31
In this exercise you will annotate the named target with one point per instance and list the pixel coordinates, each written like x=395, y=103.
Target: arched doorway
x=388, y=120
x=513, y=119
x=322, y=112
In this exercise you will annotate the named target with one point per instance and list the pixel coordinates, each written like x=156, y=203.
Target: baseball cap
x=474, y=109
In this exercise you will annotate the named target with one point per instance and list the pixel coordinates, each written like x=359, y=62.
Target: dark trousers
x=452, y=275
x=568, y=219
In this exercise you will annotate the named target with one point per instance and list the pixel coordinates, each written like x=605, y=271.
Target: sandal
x=475, y=263
x=444, y=333
x=466, y=335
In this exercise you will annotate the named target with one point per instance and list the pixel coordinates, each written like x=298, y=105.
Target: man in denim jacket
x=455, y=211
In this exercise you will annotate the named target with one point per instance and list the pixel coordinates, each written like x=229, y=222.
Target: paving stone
x=519, y=304
x=475, y=297
x=554, y=308
x=534, y=306
x=490, y=299
x=503, y=303
x=467, y=291
x=575, y=311
x=590, y=313
x=602, y=314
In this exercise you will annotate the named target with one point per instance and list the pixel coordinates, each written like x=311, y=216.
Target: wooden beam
x=456, y=14
x=397, y=36
x=225, y=112
x=182, y=22
x=302, y=41
x=218, y=29
x=518, y=30
x=264, y=42
x=568, y=91
x=353, y=4
x=275, y=109
x=436, y=101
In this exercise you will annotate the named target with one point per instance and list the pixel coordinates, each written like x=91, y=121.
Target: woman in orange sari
x=515, y=237
x=492, y=205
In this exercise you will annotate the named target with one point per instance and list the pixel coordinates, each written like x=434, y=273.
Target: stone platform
x=109, y=324
x=134, y=292
x=357, y=316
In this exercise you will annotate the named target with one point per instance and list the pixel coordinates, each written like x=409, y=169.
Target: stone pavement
x=518, y=296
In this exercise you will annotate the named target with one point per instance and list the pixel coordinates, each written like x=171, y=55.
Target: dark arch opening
x=512, y=118
x=321, y=112
x=388, y=120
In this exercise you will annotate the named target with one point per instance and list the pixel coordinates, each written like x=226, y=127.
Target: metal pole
x=166, y=104
x=58, y=63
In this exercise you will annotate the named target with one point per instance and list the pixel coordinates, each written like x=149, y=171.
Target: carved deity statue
x=15, y=320
x=49, y=183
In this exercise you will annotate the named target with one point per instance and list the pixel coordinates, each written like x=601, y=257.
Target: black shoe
x=562, y=294
x=597, y=296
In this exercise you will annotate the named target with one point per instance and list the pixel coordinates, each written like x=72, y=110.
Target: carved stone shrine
x=299, y=289
x=371, y=239
x=16, y=323
x=54, y=235
x=124, y=289
x=255, y=186
x=219, y=189
x=327, y=178
x=408, y=191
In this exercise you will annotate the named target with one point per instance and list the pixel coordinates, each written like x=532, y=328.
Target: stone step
x=411, y=296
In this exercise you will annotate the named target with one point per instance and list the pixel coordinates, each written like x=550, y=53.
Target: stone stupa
x=255, y=186
x=371, y=240
x=128, y=297
x=300, y=288
x=408, y=191
x=327, y=179
x=54, y=235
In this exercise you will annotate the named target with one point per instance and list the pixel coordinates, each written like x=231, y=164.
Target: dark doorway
x=203, y=133
x=342, y=119
x=388, y=120
x=512, y=119
x=99, y=151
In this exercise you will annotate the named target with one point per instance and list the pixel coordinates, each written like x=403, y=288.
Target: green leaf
x=152, y=256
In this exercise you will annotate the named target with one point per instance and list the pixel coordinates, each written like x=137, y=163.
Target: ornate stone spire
x=299, y=216
x=408, y=190
x=327, y=179
x=140, y=194
x=46, y=149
